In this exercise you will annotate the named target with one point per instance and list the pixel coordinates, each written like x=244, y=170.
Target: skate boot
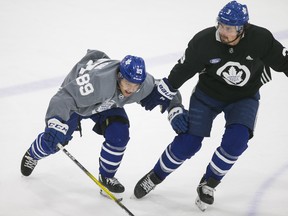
x=27, y=164
x=112, y=184
x=205, y=192
x=146, y=184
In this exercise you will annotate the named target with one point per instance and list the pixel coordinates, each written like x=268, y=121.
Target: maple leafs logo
x=107, y=104
x=233, y=76
x=234, y=73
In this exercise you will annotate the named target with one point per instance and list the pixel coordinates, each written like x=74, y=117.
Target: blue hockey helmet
x=233, y=14
x=132, y=68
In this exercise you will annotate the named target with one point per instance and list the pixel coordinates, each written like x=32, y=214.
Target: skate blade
x=201, y=205
x=105, y=195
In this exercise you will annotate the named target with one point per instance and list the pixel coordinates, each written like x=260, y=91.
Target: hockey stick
x=111, y=196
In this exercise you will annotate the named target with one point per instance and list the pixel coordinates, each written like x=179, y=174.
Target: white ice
x=41, y=41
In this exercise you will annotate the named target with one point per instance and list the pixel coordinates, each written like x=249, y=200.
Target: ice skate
x=27, y=164
x=112, y=184
x=146, y=184
x=205, y=192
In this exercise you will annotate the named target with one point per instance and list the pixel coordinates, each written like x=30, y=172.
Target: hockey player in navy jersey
x=232, y=61
x=97, y=88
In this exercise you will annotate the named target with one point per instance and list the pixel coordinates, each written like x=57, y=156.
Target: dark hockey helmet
x=233, y=14
x=132, y=68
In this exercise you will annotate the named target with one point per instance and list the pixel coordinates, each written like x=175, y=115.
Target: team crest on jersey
x=234, y=73
x=107, y=104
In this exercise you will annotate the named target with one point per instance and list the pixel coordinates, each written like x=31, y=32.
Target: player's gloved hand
x=178, y=118
x=55, y=133
x=162, y=94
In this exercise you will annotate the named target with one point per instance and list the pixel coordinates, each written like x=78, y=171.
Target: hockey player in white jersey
x=97, y=88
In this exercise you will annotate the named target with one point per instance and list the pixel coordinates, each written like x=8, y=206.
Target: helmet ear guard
x=132, y=68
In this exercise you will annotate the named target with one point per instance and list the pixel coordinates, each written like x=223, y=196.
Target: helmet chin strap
x=238, y=36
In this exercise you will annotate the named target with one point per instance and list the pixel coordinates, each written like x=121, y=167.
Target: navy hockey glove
x=55, y=133
x=178, y=118
x=162, y=94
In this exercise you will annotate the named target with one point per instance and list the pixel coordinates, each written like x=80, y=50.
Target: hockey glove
x=55, y=133
x=161, y=95
x=178, y=118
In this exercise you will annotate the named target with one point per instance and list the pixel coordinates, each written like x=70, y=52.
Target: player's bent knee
x=235, y=139
x=184, y=146
x=117, y=134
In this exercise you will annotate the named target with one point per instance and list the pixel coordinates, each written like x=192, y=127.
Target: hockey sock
x=167, y=163
x=38, y=148
x=110, y=159
x=234, y=143
x=116, y=139
x=184, y=146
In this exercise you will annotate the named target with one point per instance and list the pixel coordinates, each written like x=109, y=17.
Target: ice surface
x=41, y=41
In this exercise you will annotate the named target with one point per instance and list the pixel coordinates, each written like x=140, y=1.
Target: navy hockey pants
x=240, y=119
